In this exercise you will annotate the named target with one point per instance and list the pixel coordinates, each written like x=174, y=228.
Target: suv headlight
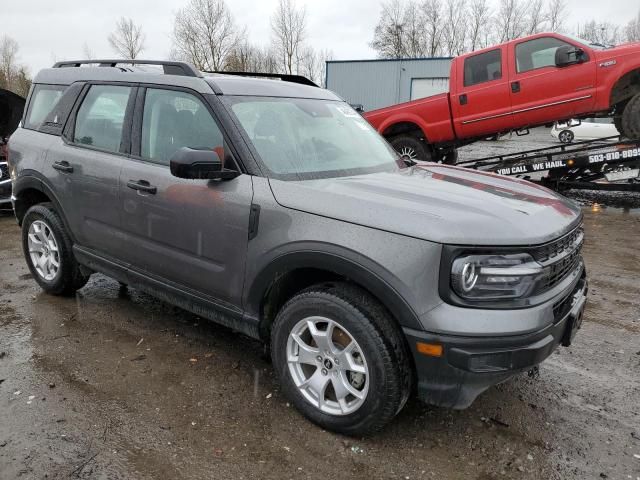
x=495, y=277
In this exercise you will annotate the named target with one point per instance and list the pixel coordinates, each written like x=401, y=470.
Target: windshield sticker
x=348, y=112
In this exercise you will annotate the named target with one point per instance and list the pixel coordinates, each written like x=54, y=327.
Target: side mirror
x=199, y=164
x=568, y=55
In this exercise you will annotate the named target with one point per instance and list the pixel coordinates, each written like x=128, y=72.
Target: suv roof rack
x=285, y=77
x=169, y=67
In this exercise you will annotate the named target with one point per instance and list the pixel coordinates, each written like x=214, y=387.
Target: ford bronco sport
x=274, y=208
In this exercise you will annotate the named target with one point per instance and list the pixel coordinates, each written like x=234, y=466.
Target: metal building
x=380, y=83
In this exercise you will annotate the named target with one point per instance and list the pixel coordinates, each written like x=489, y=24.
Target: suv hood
x=438, y=203
x=11, y=107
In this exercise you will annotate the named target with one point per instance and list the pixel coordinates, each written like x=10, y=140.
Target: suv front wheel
x=47, y=250
x=340, y=359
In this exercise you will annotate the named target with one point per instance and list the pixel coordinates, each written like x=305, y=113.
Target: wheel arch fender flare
x=34, y=181
x=335, y=263
x=405, y=118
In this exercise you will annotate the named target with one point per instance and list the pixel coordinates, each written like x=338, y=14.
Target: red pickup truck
x=524, y=83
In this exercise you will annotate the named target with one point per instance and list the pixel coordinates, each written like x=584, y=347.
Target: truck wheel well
x=403, y=128
x=27, y=199
x=626, y=87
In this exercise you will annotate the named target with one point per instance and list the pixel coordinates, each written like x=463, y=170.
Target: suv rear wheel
x=47, y=250
x=340, y=359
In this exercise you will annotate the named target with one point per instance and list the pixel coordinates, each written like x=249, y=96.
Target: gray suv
x=272, y=207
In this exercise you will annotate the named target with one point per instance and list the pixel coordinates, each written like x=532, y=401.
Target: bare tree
x=413, y=32
x=128, y=39
x=604, y=33
x=388, y=36
x=289, y=28
x=22, y=82
x=87, y=52
x=13, y=76
x=8, y=59
x=432, y=17
x=511, y=19
x=247, y=57
x=310, y=64
x=205, y=33
x=479, y=23
x=455, y=31
x=556, y=15
x=632, y=30
x=323, y=57
x=535, y=17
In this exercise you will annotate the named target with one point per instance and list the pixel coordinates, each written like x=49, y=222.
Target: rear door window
x=100, y=119
x=483, y=67
x=43, y=100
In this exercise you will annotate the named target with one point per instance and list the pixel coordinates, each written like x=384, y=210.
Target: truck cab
x=523, y=83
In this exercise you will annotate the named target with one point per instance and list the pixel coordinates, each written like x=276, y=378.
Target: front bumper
x=470, y=365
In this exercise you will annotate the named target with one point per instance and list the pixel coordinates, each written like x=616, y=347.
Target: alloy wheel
x=327, y=365
x=43, y=250
x=565, y=136
x=408, y=152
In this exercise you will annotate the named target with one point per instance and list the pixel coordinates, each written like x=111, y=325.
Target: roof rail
x=169, y=68
x=285, y=77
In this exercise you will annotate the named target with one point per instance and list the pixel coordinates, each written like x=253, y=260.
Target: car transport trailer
x=604, y=164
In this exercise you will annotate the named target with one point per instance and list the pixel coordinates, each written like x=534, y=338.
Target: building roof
x=408, y=59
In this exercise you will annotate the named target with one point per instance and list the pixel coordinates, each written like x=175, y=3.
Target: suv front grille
x=546, y=254
x=4, y=171
x=560, y=257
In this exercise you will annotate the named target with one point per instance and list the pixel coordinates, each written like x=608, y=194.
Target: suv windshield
x=302, y=139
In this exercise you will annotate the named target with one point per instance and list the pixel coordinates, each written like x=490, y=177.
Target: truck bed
x=432, y=114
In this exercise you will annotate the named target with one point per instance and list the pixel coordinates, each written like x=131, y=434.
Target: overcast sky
x=47, y=31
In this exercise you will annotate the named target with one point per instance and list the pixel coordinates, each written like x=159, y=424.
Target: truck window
x=43, y=99
x=483, y=67
x=537, y=53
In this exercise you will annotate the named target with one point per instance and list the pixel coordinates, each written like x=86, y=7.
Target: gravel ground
x=113, y=384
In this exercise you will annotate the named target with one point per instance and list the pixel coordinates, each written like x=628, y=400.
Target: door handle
x=63, y=166
x=463, y=99
x=142, y=186
x=515, y=87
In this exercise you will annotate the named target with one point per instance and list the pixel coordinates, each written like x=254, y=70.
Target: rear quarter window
x=44, y=98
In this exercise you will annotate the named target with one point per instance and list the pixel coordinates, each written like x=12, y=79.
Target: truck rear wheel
x=450, y=157
x=631, y=118
x=412, y=148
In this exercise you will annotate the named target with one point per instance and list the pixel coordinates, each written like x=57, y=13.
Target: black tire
x=631, y=118
x=450, y=157
x=412, y=147
x=383, y=347
x=617, y=121
x=566, y=136
x=68, y=277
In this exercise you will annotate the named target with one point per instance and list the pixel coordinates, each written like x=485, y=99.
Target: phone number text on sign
x=611, y=156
